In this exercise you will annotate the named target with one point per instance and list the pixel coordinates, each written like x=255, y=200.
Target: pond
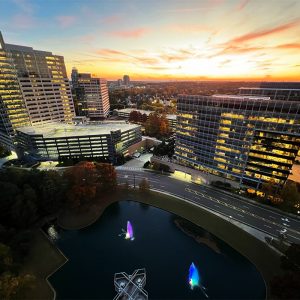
x=165, y=245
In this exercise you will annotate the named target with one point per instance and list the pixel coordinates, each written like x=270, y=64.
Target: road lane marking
x=268, y=226
x=241, y=215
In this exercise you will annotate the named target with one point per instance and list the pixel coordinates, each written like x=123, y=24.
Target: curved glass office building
x=249, y=139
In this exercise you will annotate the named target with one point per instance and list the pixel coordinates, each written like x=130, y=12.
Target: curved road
x=255, y=216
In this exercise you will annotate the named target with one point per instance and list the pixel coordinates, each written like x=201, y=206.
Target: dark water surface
x=97, y=252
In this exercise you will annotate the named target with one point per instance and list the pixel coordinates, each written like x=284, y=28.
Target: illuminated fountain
x=52, y=233
x=193, y=276
x=194, y=280
x=128, y=233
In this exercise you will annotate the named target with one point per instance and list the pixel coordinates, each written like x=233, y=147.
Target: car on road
x=136, y=155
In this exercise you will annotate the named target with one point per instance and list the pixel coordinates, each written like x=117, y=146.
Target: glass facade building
x=249, y=139
x=44, y=84
x=13, y=112
x=90, y=95
x=64, y=141
x=287, y=91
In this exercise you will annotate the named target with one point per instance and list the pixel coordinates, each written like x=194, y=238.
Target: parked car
x=136, y=155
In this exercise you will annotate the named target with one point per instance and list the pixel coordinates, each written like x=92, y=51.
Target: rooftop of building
x=258, y=97
x=270, y=88
x=11, y=47
x=57, y=130
x=142, y=111
x=231, y=97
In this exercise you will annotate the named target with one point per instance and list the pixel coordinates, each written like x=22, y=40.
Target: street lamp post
x=134, y=181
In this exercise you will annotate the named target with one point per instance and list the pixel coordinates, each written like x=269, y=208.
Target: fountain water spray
x=128, y=233
x=194, y=279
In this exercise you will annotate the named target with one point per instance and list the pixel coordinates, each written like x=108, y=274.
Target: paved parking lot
x=138, y=162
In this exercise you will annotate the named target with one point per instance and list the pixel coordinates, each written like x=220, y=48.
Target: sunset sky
x=162, y=39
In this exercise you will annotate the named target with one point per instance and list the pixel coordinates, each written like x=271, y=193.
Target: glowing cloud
x=136, y=33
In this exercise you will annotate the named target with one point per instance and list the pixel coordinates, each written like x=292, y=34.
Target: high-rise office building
x=90, y=95
x=44, y=84
x=13, y=112
x=288, y=91
x=249, y=139
x=126, y=80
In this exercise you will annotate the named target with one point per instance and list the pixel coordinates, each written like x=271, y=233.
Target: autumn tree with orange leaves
x=86, y=179
x=82, y=183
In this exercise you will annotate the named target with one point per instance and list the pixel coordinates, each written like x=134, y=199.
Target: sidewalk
x=7, y=158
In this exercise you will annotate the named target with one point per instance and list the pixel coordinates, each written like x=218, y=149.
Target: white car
x=136, y=155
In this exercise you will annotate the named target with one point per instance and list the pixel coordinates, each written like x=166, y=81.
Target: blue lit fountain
x=194, y=279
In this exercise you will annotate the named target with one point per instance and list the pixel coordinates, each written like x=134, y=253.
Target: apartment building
x=90, y=95
x=249, y=139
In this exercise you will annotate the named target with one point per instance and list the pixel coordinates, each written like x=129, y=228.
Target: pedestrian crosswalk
x=129, y=168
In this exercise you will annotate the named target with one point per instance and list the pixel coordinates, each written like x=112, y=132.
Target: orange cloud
x=262, y=33
x=136, y=33
x=110, y=52
x=187, y=28
x=289, y=46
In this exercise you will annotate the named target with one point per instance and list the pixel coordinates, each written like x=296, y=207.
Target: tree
x=152, y=124
x=135, y=116
x=286, y=286
x=144, y=185
x=53, y=190
x=82, y=183
x=144, y=118
x=269, y=188
x=290, y=195
x=5, y=258
x=291, y=259
x=4, y=152
x=106, y=177
x=12, y=286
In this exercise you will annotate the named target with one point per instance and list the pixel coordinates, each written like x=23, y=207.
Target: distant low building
x=125, y=113
x=58, y=141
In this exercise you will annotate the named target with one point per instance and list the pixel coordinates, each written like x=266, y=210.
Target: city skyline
x=190, y=40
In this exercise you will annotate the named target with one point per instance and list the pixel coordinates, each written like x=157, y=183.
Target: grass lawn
x=43, y=259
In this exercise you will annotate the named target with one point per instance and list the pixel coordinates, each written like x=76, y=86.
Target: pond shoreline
x=251, y=248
